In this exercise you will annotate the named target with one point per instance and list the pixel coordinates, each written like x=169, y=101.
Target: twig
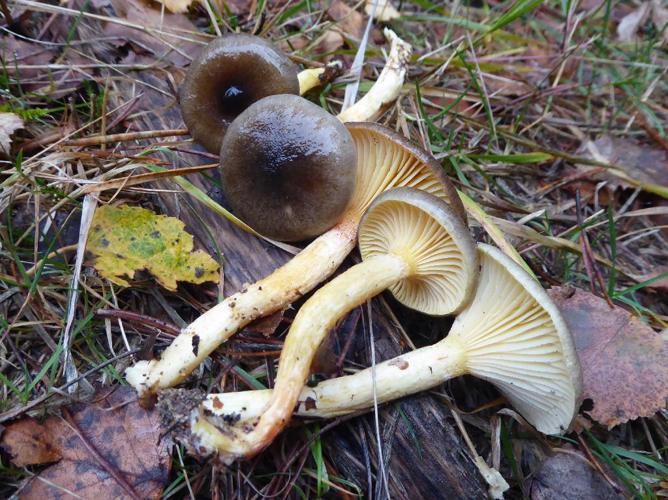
x=129, y=136
x=163, y=326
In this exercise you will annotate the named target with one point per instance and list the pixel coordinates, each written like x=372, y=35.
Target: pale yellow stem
x=285, y=285
x=406, y=374
x=311, y=325
x=388, y=86
x=309, y=79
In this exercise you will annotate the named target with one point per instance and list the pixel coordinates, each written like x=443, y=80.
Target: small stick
x=129, y=136
x=6, y=12
x=165, y=327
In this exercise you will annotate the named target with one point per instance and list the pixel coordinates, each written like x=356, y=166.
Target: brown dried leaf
x=266, y=326
x=641, y=162
x=629, y=25
x=125, y=436
x=27, y=442
x=569, y=476
x=178, y=51
x=623, y=360
x=349, y=21
x=9, y=123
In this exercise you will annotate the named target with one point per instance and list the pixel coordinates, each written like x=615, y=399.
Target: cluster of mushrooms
x=294, y=172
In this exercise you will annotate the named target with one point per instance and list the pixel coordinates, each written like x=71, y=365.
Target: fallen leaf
x=15, y=52
x=267, y=325
x=27, y=442
x=348, y=20
x=623, y=360
x=108, y=449
x=128, y=239
x=9, y=123
x=569, y=475
x=640, y=162
x=660, y=18
x=176, y=6
x=629, y=25
x=179, y=49
x=332, y=40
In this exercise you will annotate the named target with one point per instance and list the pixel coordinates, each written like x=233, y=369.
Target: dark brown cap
x=230, y=74
x=288, y=168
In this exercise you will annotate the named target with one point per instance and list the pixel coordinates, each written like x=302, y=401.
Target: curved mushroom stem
x=285, y=285
x=406, y=374
x=387, y=87
x=311, y=325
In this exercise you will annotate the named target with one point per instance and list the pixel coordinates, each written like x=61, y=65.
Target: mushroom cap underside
x=230, y=74
x=515, y=337
x=423, y=230
x=386, y=160
x=288, y=168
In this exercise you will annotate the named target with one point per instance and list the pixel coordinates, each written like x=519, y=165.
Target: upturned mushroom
x=511, y=334
x=413, y=244
x=385, y=160
x=288, y=168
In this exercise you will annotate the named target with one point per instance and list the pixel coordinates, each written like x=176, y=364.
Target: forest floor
x=550, y=116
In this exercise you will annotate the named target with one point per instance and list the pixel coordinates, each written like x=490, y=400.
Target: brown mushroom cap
x=288, y=168
x=230, y=74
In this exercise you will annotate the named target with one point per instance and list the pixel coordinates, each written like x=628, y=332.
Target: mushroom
x=288, y=168
x=236, y=70
x=511, y=334
x=385, y=160
x=231, y=73
x=413, y=244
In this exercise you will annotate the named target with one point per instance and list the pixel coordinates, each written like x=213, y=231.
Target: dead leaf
x=629, y=25
x=348, y=20
x=128, y=239
x=660, y=18
x=105, y=443
x=329, y=42
x=569, y=475
x=28, y=442
x=266, y=326
x=16, y=53
x=177, y=50
x=176, y=6
x=640, y=162
x=623, y=360
x=9, y=123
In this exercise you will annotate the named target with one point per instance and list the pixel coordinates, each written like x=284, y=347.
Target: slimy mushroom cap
x=288, y=168
x=230, y=74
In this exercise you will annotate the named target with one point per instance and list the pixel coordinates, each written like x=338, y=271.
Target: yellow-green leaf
x=128, y=239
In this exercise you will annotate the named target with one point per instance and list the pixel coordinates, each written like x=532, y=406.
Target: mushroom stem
x=387, y=87
x=285, y=285
x=311, y=325
x=406, y=374
x=315, y=77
